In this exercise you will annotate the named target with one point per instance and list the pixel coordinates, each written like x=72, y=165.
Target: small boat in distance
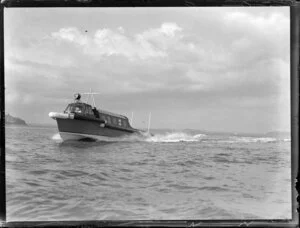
x=80, y=121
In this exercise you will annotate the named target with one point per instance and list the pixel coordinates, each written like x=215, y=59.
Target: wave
x=241, y=139
x=175, y=137
x=244, y=139
x=286, y=140
x=56, y=137
x=167, y=137
x=254, y=140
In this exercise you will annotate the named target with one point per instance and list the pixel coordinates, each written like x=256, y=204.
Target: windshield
x=75, y=108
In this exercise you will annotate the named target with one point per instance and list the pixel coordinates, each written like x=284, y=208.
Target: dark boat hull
x=74, y=129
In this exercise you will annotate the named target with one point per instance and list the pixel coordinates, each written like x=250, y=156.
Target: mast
x=149, y=121
x=131, y=120
x=92, y=95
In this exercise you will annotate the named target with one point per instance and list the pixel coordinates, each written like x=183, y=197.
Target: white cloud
x=263, y=23
x=170, y=29
x=167, y=36
x=71, y=34
x=151, y=43
x=267, y=34
x=121, y=29
x=108, y=42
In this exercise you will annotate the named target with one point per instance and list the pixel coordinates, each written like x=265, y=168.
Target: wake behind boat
x=80, y=120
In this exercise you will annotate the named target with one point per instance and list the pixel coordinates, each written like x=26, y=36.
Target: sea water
x=171, y=175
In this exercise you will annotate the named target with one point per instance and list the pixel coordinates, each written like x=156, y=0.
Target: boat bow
x=58, y=115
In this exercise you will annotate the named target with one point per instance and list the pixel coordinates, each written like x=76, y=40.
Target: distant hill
x=278, y=134
x=14, y=120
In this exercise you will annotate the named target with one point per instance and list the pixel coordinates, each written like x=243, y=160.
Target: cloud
x=121, y=29
x=169, y=29
x=163, y=58
x=70, y=34
x=107, y=42
x=266, y=36
x=262, y=22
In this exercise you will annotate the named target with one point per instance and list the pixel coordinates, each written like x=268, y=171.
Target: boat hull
x=73, y=129
x=66, y=136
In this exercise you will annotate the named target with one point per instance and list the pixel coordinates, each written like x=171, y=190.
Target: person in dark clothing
x=96, y=113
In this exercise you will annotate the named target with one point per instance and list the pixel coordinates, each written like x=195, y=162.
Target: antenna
x=92, y=95
x=131, y=120
x=87, y=100
x=149, y=122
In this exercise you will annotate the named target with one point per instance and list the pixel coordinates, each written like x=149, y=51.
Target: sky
x=218, y=69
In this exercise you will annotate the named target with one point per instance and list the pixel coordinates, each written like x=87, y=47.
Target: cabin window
x=108, y=120
x=119, y=122
x=89, y=111
x=76, y=109
x=114, y=121
x=125, y=123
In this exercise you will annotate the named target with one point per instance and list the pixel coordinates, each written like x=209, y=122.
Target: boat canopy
x=86, y=109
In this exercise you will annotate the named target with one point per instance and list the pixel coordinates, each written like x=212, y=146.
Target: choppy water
x=175, y=175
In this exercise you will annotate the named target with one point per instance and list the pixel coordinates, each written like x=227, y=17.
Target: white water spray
x=56, y=137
